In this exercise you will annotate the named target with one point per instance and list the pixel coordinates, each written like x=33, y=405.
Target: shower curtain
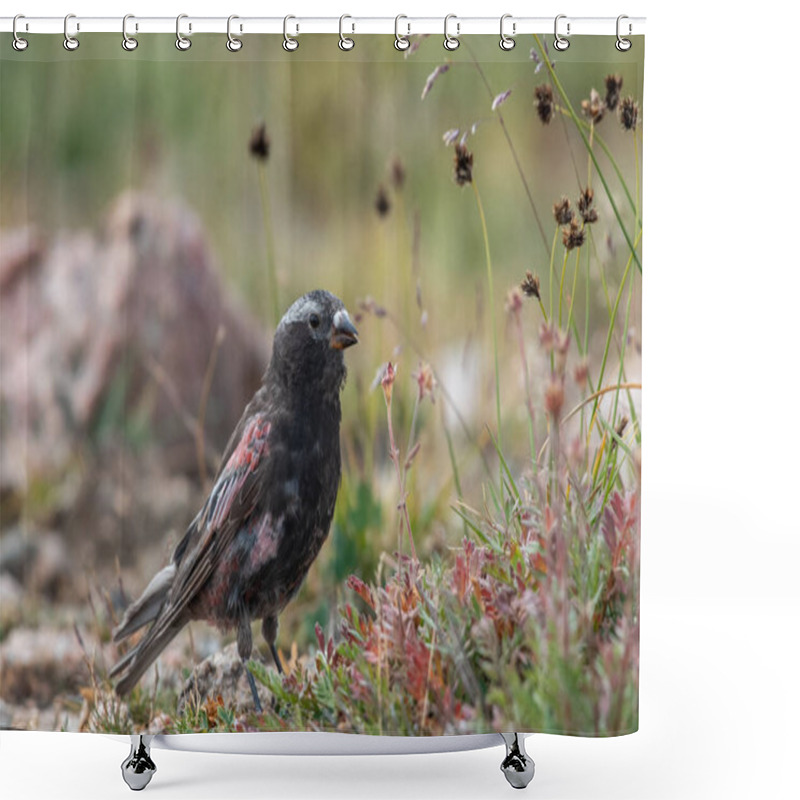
x=458, y=230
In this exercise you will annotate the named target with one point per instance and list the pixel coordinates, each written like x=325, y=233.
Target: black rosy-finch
x=246, y=553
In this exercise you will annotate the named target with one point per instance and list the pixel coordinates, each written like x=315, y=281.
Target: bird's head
x=311, y=338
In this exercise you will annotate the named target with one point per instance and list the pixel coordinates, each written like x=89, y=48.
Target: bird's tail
x=146, y=609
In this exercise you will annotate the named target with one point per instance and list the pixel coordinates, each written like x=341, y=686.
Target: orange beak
x=343, y=333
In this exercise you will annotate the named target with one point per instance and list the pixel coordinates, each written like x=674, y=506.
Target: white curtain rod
x=296, y=26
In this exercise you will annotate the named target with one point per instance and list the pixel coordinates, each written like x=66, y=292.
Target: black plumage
x=246, y=553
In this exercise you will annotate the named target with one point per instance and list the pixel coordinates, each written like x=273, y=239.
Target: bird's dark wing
x=229, y=504
x=231, y=501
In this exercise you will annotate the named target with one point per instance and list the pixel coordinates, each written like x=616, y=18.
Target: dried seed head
x=259, y=142
x=563, y=212
x=581, y=373
x=554, y=397
x=585, y=201
x=573, y=235
x=560, y=349
x=562, y=339
x=530, y=285
x=426, y=382
x=451, y=136
x=500, y=99
x=387, y=381
x=547, y=336
x=629, y=113
x=369, y=306
x=382, y=204
x=594, y=108
x=398, y=174
x=514, y=301
x=440, y=70
x=544, y=102
x=613, y=85
x=463, y=165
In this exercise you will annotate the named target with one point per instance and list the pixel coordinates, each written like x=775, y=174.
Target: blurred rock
x=11, y=598
x=38, y=665
x=222, y=674
x=111, y=334
x=39, y=560
x=16, y=552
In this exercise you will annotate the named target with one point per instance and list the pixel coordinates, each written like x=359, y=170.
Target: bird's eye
x=313, y=321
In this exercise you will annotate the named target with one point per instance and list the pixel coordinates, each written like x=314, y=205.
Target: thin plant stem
x=492, y=312
x=451, y=452
x=622, y=349
x=638, y=209
x=611, y=329
x=552, y=260
x=527, y=379
x=561, y=285
x=512, y=148
x=394, y=454
x=574, y=291
x=443, y=390
x=542, y=309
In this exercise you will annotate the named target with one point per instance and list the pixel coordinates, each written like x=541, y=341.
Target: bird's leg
x=269, y=630
x=244, y=642
x=276, y=657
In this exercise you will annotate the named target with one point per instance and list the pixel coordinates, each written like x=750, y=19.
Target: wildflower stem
x=526, y=378
x=622, y=349
x=417, y=348
x=394, y=454
x=561, y=285
x=638, y=210
x=541, y=307
x=611, y=473
x=574, y=291
x=573, y=115
x=552, y=259
x=493, y=315
x=611, y=323
x=452, y=454
x=271, y=267
x=588, y=289
x=406, y=466
x=512, y=148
